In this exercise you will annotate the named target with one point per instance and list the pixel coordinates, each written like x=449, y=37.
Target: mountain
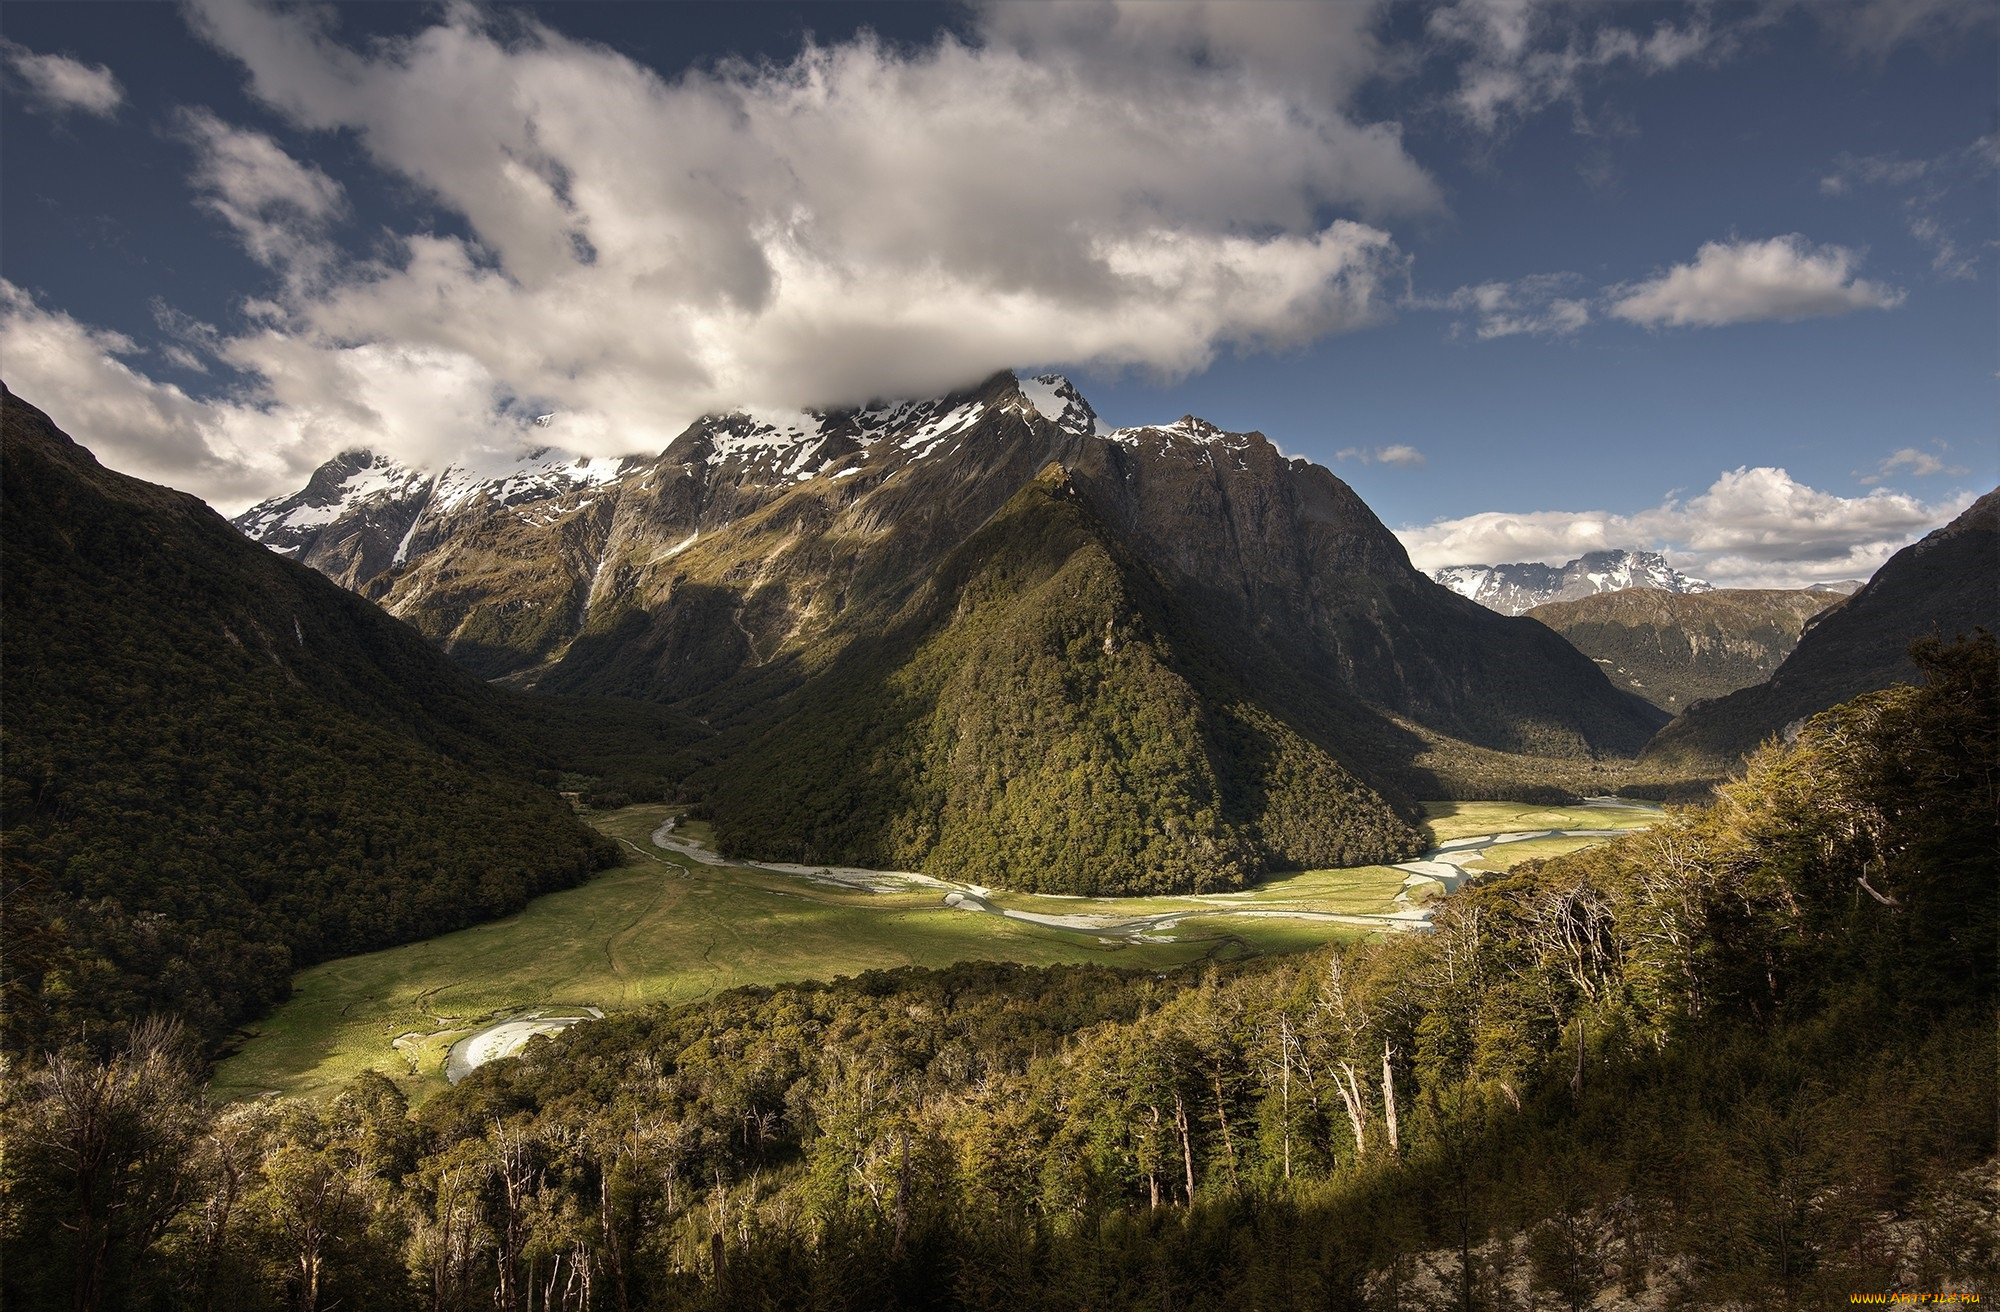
x=1945, y=585
x=1517, y=589
x=219, y=767
x=923, y=630
x=1674, y=649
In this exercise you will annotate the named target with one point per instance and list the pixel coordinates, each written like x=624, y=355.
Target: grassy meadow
x=662, y=928
x=1449, y=820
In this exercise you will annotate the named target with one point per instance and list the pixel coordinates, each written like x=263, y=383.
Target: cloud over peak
x=1120, y=185
x=1125, y=186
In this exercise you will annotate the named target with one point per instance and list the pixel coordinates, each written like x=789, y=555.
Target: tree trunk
x=1285, y=1055
x=611, y=1247
x=1187, y=1144
x=1152, y=1174
x=1389, y=1101
x=1357, y=1111
x=902, y=1195
x=1222, y=1114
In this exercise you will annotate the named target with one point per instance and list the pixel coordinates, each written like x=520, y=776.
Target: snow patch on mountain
x=1188, y=429
x=527, y=477
x=350, y=481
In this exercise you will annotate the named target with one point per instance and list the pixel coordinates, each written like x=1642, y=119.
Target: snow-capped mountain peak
x=1516, y=588
x=363, y=514
x=1056, y=399
x=351, y=481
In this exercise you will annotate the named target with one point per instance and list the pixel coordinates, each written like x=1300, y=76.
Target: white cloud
x=1532, y=306
x=1753, y=527
x=149, y=429
x=1397, y=454
x=1748, y=281
x=1518, y=57
x=58, y=84
x=1917, y=464
x=279, y=207
x=1521, y=56
x=863, y=220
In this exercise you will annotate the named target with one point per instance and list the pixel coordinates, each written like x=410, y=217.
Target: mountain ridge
x=762, y=565
x=1675, y=649
x=1944, y=585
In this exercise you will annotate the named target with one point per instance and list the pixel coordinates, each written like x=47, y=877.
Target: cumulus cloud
x=240, y=446
x=1534, y=306
x=1748, y=281
x=1396, y=454
x=57, y=84
x=1109, y=185
x=1753, y=527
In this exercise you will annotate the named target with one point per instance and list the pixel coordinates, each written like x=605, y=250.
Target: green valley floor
x=675, y=923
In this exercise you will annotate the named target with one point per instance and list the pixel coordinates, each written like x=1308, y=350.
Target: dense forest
x=219, y=767
x=1744, y=1059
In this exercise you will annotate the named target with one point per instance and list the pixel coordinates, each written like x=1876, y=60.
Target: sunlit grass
x=1450, y=820
x=663, y=928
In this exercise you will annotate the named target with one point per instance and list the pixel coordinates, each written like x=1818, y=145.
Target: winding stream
x=1444, y=865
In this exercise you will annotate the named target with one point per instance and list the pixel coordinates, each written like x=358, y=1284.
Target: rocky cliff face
x=1676, y=649
x=1943, y=586
x=773, y=573
x=1517, y=589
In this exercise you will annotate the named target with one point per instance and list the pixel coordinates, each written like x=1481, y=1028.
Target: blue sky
x=1534, y=276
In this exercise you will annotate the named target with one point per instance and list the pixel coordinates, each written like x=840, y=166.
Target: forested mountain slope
x=1945, y=585
x=1742, y=1060
x=1675, y=649
x=220, y=767
x=1047, y=716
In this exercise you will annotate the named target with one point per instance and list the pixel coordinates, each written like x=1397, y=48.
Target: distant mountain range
x=1946, y=585
x=1516, y=589
x=1675, y=649
x=984, y=635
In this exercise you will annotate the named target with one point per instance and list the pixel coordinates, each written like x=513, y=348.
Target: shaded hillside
x=1946, y=585
x=799, y=582
x=220, y=767
x=1675, y=649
